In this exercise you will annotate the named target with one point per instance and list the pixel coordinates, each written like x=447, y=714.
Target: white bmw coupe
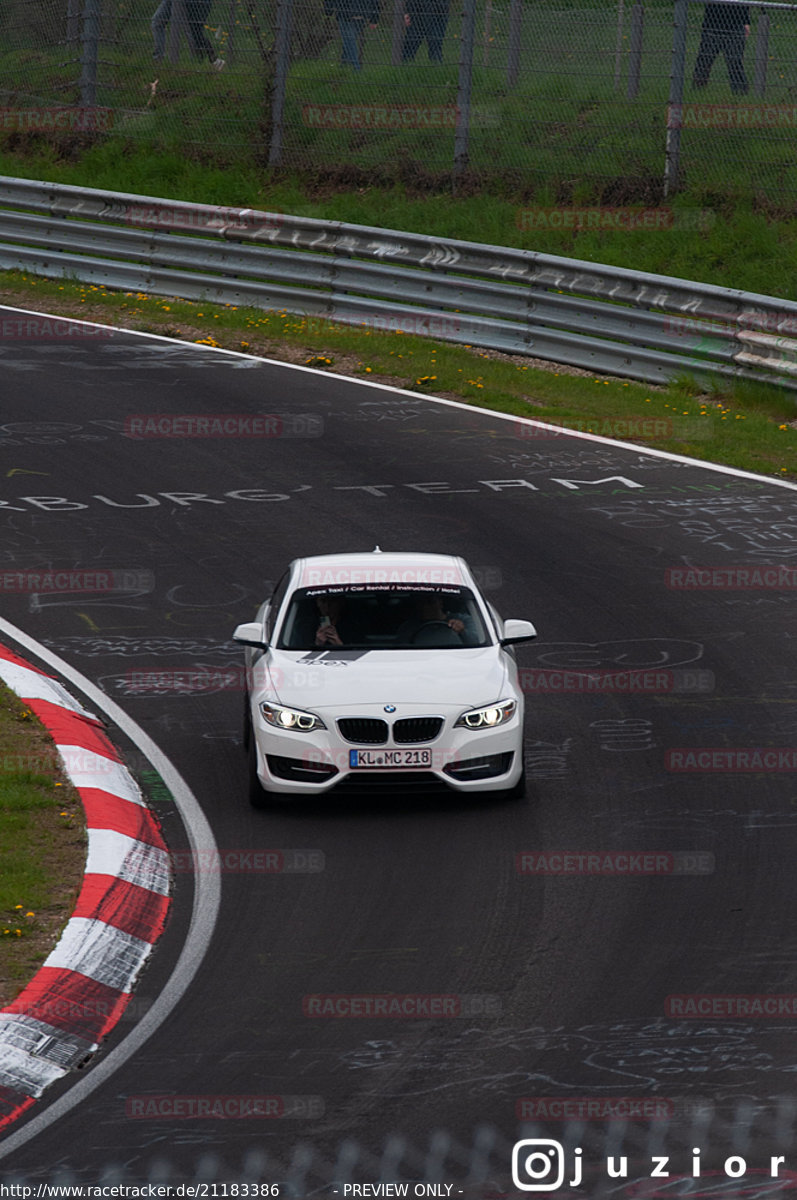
x=382, y=672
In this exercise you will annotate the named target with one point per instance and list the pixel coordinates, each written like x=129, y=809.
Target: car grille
x=416, y=729
x=363, y=730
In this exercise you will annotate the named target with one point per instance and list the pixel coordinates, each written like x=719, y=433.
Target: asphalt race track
x=560, y=983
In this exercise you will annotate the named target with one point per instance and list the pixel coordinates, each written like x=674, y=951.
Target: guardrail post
x=672, y=153
x=515, y=35
x=88, y=53
x=761, y=52
x=282, y=47
x=635, y=58
x=462, y=131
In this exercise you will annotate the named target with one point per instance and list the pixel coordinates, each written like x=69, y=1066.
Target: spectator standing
x=352, y=17
x=725, y=30
x=425, y=21
x=196, y=15
x=159, y=24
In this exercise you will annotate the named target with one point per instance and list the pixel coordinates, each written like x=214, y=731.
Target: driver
x=428, y=607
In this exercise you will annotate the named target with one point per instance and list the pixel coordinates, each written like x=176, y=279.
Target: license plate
x=385, y=760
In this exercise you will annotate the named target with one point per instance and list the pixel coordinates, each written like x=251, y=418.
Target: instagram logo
x=538, y=1165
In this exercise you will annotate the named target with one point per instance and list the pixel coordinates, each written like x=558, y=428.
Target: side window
x=275, y=605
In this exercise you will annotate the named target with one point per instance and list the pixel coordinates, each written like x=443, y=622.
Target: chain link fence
x=697, y=1146
x=622, y=101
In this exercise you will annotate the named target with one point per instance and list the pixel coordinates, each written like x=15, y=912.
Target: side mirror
x=250, y=634
x=518, y=631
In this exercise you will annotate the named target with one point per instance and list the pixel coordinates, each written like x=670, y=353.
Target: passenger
x=332, y=612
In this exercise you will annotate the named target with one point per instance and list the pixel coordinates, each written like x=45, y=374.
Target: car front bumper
x=461, y=759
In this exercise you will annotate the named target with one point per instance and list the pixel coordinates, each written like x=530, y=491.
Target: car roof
x=377, y=566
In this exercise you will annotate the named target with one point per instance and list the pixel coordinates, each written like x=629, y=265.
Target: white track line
x=388, y=387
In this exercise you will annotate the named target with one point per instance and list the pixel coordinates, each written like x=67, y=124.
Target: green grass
x=562, y=137
x=751, y=426
x=563, y=124
x=742, y=247
x=42, y=845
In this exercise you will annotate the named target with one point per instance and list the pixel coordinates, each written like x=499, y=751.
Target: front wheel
x=247, y=723
x=258, y=797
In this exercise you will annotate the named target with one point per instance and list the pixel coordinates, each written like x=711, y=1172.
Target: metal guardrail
x=609, y=320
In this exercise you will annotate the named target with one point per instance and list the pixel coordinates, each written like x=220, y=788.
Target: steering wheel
x=431, y=625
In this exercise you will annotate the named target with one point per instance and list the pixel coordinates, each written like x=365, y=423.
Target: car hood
x=342, y=678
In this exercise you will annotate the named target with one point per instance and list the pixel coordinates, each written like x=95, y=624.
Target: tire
x=258, y=797
x=247, y=723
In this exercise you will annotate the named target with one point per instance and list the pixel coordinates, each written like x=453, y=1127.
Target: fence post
x=230, y=44
x=397, y=39
x=88, y=53
x=282, y=49
x=635, y=57
x=672, y=153
x=462, y=131
x=515, y=34
x=761, y=52
x=618, y=44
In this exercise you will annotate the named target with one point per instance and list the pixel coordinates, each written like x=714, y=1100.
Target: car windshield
x=382, y=617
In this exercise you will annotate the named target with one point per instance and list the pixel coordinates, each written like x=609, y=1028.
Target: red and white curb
x=84, y=986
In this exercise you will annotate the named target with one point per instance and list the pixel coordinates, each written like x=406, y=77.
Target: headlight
x=489, y=716
x=291, y=718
